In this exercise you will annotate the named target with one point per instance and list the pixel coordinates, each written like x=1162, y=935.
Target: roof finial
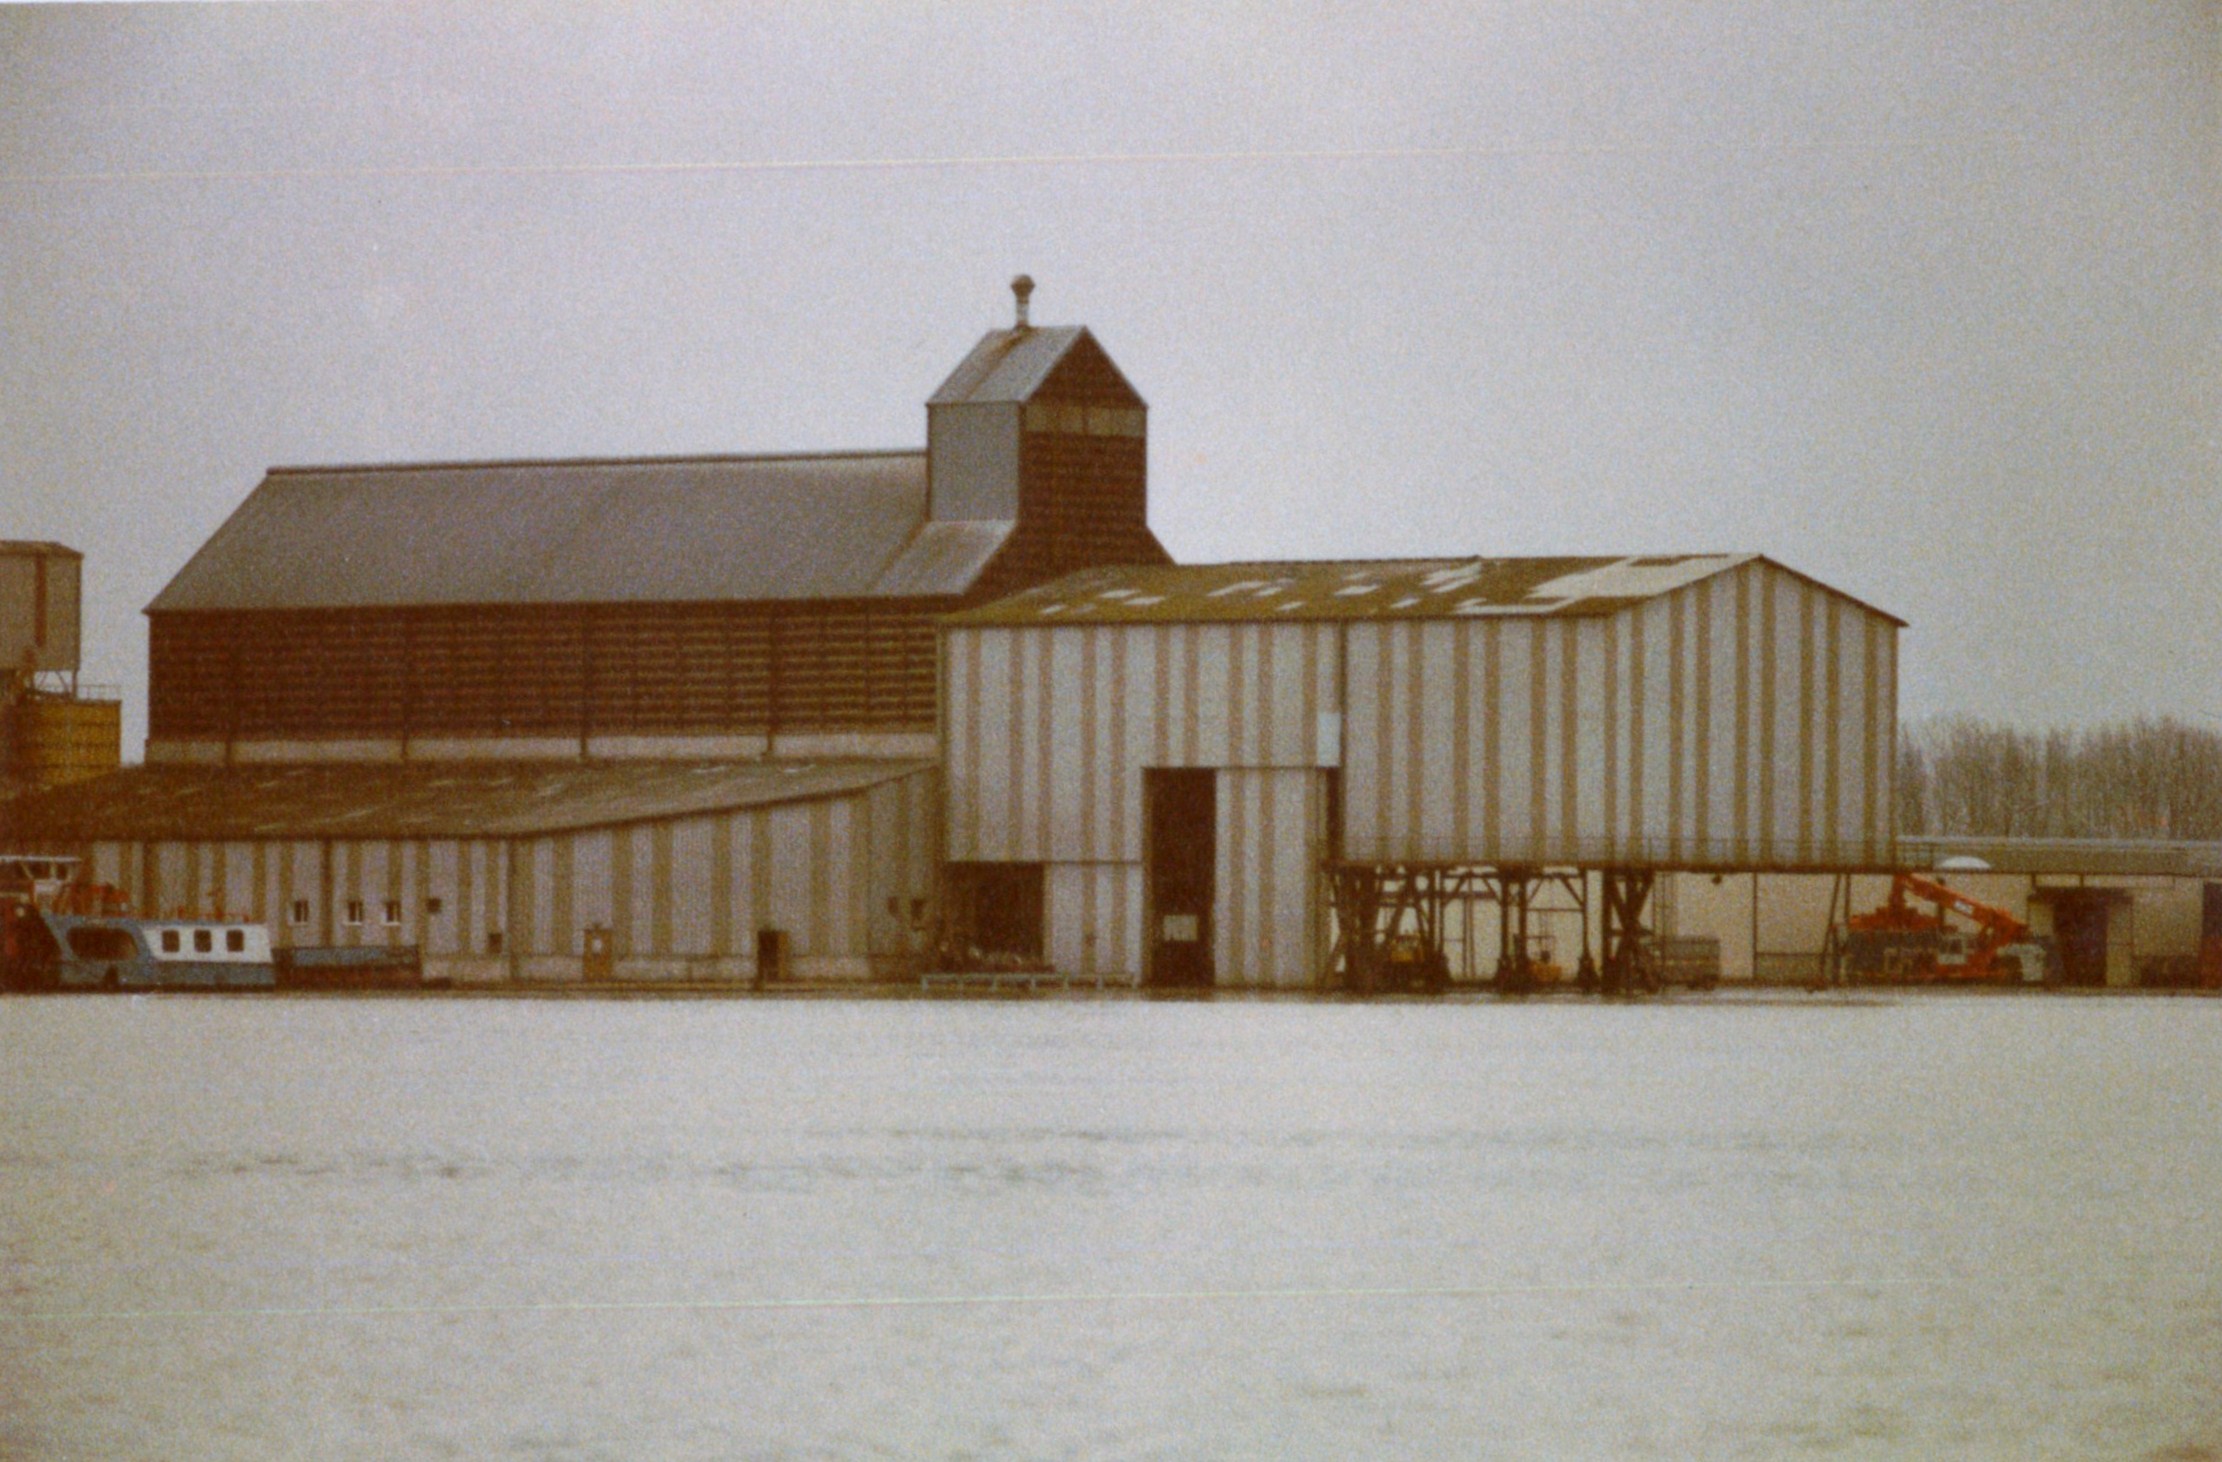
x=1022, y=288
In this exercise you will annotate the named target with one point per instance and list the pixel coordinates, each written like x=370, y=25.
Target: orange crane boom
x=1998, y=928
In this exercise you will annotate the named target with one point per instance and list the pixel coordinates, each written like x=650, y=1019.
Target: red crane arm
x=2003, y=927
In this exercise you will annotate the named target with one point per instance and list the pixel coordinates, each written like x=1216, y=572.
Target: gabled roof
x=1435, y=588
x=422, y=799
x=661, y=530
x=1011, y=365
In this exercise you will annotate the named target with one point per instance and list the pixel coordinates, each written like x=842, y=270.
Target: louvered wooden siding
x=562, y=671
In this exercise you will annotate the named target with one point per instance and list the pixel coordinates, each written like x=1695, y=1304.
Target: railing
x=1783, y=855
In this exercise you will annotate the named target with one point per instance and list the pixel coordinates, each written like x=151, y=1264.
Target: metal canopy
x=424, y=799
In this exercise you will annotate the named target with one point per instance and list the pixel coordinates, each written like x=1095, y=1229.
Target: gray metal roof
x=663, y=530
x=421, y=799
x=1354, y=589
x=943, y=554
x=1007, y=365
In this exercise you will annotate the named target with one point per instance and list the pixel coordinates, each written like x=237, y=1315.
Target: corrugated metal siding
x=1272, y=826
x=839, y=874
x=1745, y=720
x=1093, y=919
x=1046, y=731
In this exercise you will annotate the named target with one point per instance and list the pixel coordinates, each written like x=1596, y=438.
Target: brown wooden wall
x=544, y=670
x=1083, y=486
x=669, y=669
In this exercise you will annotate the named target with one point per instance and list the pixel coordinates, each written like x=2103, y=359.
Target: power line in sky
x=960, y=162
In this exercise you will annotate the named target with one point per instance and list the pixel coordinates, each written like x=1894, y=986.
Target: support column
x=1628, y=964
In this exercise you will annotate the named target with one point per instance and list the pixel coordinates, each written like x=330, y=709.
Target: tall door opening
x=2210, y=936
x=2079, y=926
x=1183, y=840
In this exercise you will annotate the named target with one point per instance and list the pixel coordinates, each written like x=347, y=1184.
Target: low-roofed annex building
x=650, y=868
x=650, y=718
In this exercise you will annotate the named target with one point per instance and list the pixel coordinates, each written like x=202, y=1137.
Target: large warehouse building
x=1180, y=773
x=649, y=719
x=814, y=717
x=712, y=606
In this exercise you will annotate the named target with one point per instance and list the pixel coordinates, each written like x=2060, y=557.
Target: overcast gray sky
x=1924, y=300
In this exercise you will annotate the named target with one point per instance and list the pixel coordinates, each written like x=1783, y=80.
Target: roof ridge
x=676, y=459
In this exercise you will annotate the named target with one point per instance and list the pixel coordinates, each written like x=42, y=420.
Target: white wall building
x=1163, y=759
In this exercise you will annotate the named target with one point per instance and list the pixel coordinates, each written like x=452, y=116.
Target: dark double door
x=1183, y=834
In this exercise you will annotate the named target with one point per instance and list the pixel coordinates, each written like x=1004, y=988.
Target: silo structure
x=39, y=587
x=53, y=730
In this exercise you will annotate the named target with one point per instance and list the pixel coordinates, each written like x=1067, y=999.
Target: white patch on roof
x=1487, y=606
x=1630, y=579
x=1349, y=589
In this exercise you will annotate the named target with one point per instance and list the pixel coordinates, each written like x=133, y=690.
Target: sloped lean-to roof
x=424, y=799
x=1359, y=589
x=662, y=530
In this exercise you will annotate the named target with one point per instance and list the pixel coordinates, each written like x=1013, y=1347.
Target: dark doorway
x=1183, y=841
x=2079, y=927
x=995, y=913
x=2210, y=936
x=771, y=956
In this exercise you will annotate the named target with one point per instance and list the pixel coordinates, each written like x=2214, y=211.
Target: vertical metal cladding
x=847, y=878
x=1746, y=720
x=1272, y=835
x=1093, y=919
x=1048, y=731
x=1050, y=728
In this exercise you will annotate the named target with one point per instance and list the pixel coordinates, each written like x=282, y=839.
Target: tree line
x=2139, y=779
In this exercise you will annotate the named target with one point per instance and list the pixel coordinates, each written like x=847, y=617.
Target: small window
x=300, y=911
x=354, y=912
x=393, y=913
x=493, y=941
x=432, y=908
x=204, y=941
x=235, y=941
x=170, y=943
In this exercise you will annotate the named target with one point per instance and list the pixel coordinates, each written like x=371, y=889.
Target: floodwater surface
x=1728, y=1227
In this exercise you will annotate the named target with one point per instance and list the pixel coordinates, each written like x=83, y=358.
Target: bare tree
x=2139, y=779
